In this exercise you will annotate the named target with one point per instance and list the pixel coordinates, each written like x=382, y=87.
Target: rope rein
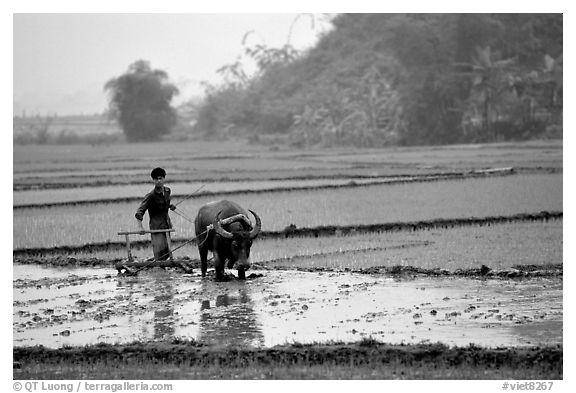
x=191, y=195
x=184, y=216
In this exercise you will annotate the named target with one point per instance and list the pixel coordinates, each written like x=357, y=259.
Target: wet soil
x=56, y=307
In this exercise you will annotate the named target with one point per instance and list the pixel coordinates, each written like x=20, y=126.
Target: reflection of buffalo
x=230, y=240
x=230, y=320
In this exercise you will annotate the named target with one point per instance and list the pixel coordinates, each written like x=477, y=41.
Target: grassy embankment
x=365, y=360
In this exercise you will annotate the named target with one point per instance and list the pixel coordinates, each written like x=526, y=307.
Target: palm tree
x=491, y=78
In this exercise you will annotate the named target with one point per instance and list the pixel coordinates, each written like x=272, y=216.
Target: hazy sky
x=62, y=61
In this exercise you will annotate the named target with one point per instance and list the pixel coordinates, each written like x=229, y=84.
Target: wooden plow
x=131, y=266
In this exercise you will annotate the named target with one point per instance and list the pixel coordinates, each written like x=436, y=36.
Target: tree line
x=375, y=80
x=380, y=79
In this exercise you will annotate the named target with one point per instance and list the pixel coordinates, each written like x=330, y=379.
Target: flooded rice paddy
x=56, y=307
x=358, y=246
x=34, y=227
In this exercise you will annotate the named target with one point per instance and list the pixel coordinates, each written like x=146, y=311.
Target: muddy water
x=56, y=307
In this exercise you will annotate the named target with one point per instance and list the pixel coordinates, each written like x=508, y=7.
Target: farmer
x=157, y=202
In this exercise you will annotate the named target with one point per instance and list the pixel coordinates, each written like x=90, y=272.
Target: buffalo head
x=239, y=238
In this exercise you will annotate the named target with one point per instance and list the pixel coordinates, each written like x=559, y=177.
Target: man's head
x=158, y=172
x=158, y=175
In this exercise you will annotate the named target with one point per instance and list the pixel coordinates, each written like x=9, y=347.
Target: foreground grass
x=365, y=360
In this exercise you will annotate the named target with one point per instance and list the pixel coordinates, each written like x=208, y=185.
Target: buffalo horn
x=257, y=227
x=219, y=230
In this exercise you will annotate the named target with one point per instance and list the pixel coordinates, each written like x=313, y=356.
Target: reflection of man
x=163, y=318
x=232, y=322
x=157, y=202
x=162, y=304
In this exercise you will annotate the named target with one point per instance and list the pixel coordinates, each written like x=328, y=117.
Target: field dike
x=376, y=180
x=70, y=256
x=400, y=361
x=78, y=183
x=357, y=172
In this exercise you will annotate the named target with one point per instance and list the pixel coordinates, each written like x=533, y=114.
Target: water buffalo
x=229, y=236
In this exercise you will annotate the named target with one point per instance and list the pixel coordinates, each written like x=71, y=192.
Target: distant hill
x=400, y=79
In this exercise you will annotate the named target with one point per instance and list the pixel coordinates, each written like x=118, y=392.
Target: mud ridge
x=403, y=271
x=363, y=353
x=292, y=231
x=440, y=223
x=407, y=271
x=25, y=186
x=137, y=159
x=378, y=181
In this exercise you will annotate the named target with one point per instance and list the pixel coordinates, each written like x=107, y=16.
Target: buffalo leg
x=241, y=274
x=218, y=267
x=203, y=260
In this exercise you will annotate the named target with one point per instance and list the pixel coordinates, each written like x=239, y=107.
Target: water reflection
x=230, y=319
x=162, y=303
x=226, y=312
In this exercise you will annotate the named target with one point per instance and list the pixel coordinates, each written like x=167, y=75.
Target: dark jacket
x=157, y=204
